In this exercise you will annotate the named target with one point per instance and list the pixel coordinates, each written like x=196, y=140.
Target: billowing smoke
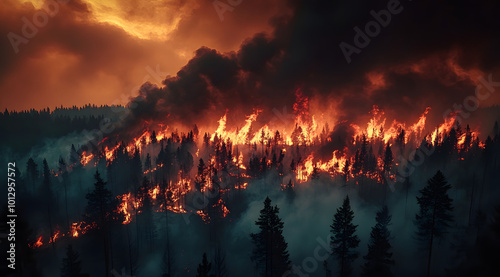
x=424, y=54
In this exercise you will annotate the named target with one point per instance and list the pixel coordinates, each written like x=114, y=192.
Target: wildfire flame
x=262, y=144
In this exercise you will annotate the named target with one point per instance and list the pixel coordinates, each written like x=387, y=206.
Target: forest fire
x=236, y=146
x=38, y=242
x=75, y=230
x=86, y=158
x=238, y=155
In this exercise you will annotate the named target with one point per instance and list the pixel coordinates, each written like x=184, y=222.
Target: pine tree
x=345, y=171
x=71, y=264
x=344, y=240
x=100, y=204
x=379, y=257
x=315, y=173
x=65, y=179
x=400, y=140
x=153, y=137
x=219, y=263
x=388, y=159
x=363, y=152
x=47, y=195
x=204, y=268
x=289, y=191
x=74, y=157
x=32, y=172
x=145, y=218
x=100, y=209
x=201, y=177
x=270, y=252
x=435, y=215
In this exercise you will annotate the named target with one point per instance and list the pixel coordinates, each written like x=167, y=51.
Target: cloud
x=404, y=69
x=99, y=52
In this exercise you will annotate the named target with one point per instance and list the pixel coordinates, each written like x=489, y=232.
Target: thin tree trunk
x=165, y=204
x=66, y=202
x=431, y=241
x=50, y=226
x=430, y=257
x=131, y=265
x=106, y=256
x=472, y=197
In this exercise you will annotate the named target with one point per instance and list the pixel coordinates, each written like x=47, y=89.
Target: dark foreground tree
x=204, y=268
x=482, y=256
x=379, y=258
x=220, y=263
x=71, y=264
x=435, y=215
x=270, y=249
x=344, y=240
x=100, y=209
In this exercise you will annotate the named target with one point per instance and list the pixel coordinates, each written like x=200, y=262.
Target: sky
x=189, y=59
x=100, y=52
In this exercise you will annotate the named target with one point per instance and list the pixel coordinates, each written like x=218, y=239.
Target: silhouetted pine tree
x=63, y=173
x=100, y=209
x=363, y=152
x=47, y=195
x=201, y=177
x=204, y=268
x=346, y=171
x=315, y=173
x=32, y=172
x=289, y=191
x=270, y=249
x=220, y=263
x=435, y=215
x=71, y=264
x=153, y=137
x=148, y=166
x=344, y=240
x=378, y=259
x=370, y=163
x=388, y=159
x=401, y=141
x=146, y=218
x=136, y=171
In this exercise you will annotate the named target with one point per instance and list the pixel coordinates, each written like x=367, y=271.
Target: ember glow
x=256, y=148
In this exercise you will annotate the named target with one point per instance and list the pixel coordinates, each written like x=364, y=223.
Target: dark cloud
x=429, y=54
x=421, y=54
x=89, y=54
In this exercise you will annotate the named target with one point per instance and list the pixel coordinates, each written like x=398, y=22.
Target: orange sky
x=99, y=52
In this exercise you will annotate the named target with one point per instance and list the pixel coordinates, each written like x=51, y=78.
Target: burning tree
x=344, y=239
x=270, y=252
x=435, y=215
